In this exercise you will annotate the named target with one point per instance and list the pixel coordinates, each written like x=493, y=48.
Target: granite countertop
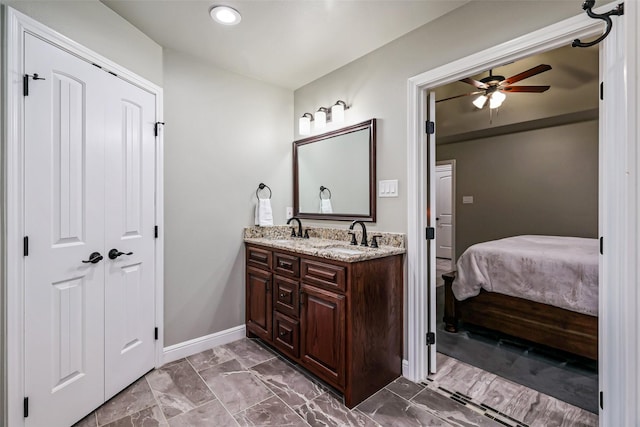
x=329, y=248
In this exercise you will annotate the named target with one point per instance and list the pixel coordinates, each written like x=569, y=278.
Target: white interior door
x=444, y=211
x=89, y=188
x=431, y=222
x=129, y=229
x=64, y=222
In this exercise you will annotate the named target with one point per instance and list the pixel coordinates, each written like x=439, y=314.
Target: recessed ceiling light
x=225, y=15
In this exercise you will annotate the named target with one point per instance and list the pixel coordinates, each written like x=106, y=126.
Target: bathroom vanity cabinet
x=340, y=320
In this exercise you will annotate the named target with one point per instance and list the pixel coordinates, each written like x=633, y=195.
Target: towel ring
x=262, y=186
x=323, y=188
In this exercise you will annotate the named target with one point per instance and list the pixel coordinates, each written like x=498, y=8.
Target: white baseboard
x=196, y=345
x=405, y=366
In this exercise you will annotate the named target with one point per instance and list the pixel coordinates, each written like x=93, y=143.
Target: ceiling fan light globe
x=496, y=99
x=480, y=101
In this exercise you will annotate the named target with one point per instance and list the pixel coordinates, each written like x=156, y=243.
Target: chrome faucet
x=364, y=233
x=293, y=233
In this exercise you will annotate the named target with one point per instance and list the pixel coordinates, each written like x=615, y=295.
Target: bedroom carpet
x=569, y=378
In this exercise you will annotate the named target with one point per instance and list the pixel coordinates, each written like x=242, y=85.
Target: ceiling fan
x=492, y=88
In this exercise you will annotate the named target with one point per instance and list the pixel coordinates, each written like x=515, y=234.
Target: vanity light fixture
x=335, y=114
x=304, y=124
x=321, y=118
x=225, y=15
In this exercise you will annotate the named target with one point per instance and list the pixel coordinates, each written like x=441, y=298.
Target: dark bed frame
x=554, y=327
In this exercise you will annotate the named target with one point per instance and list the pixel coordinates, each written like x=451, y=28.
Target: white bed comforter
x=559, y=271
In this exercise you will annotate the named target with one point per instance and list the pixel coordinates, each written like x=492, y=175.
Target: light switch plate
x=289, y=212
x=467, y=200
x=388, y=188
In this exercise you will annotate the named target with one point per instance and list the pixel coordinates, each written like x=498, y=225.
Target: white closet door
x=64, y=221
x=129, y=228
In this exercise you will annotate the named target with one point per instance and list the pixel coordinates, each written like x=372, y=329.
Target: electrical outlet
x=289, y=212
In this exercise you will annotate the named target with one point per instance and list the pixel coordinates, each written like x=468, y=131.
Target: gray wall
x=543, y=181
x=376, y=84
x=97, y=27
x=224, y=135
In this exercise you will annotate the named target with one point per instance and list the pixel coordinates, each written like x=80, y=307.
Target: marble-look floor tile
x=234, y=386
x=88, y=421
x=499, y=395
x=178, y=388
x=210, y=358
x=271, y=412
x=149, y=417
x=559, y=414
x=454, y=375
x=327, y=411
x=249, y=353
x=209, y=414
x=450, y=411
x=389, y=409
x=131, y=400
x=404, y=388
x=290, y=385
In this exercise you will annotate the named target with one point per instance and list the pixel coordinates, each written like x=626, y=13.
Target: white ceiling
x=288, y=43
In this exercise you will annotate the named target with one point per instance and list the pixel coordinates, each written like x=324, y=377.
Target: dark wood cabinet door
x=286, y=333
x=259, y=313
x=285, y=296
x=322, y=322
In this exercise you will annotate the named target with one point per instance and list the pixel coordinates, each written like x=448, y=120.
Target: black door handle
x=114, y=253
x=94, y=258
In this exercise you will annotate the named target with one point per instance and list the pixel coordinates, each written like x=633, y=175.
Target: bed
x=543, y=289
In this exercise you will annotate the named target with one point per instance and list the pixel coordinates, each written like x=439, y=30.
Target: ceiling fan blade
x=460, y=96
x=526, y=74
x=531, y=89
x=475, y=83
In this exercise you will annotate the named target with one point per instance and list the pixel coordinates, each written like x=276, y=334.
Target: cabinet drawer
x=286, y=334
x=259, y=257
x=288, y=265
x=327, y=276
x=286, y=296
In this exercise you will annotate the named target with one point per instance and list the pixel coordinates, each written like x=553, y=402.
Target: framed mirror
x=334, y=174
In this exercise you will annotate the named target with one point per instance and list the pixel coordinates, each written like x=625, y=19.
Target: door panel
x=64, y=219
x=129, y=228
x=259, y=315
x=323, y=333
x=444, y=211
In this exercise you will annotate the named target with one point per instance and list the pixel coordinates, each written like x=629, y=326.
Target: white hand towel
x=325, y=206
x=264, y=215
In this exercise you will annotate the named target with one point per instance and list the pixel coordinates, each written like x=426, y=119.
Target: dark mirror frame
x=371, y=215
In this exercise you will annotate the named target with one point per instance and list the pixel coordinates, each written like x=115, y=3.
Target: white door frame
x=451, y=162
x=16, y=24
x=622, y=248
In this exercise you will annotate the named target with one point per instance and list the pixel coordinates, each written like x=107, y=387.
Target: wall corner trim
x=196, y=345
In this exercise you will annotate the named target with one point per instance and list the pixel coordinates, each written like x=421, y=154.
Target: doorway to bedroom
x=526, y=215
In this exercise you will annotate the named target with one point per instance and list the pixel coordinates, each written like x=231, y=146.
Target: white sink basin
x=346, y=251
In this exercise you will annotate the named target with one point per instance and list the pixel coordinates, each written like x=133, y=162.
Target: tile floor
x=244, y=384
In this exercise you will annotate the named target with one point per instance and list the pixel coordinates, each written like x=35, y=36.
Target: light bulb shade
x=304, y=125
x=337, y=113
x=480, y=101
x=496, y=99
x=321, y=118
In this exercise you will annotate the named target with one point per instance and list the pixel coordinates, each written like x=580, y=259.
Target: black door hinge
x=431, y=233
x=25, y=82
x=601, y=245
x=430, y=127
x=25, y=407
x=156, y=129
x=601, y=400
x=155, y=231
x=155, y=333
x=25, y=246
x=431, y=338
x=602, y=90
